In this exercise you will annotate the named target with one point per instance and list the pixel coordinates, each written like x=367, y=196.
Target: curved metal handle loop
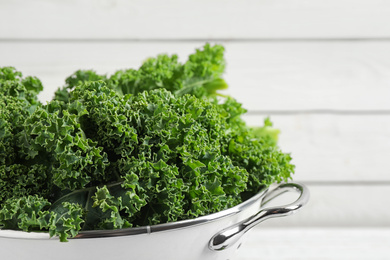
x=229, y=236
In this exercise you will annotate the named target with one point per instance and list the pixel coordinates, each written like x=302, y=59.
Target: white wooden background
x=319, y=69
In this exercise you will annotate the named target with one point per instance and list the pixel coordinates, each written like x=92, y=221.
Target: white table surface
x=316, y=243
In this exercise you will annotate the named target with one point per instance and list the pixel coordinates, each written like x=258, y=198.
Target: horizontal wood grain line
x=335, y=149
x=347, y=183
x=194, y=19
x=318, y=112
x=178, y=40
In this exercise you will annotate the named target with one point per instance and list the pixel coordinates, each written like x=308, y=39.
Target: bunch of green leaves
x=141, y=147
x=200, y=75
x=18, y=98
x=33, y=213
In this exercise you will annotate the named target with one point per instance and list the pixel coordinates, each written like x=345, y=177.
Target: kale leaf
x=140, y=147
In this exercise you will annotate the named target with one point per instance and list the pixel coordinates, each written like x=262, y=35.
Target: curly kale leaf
x=111, y=207
x=9, y=117
x=107, y=207
x=32, y=84
x=267, y=132
x=10, y=73
x=66, y=220
x=18, y=180
x=27, y=213
x=199, y=76
x=160, y=72
x=33, y=213
x=264, y=161
x=202, y=72
x=18, y=100
x=108, y=119
x=80, y=76
x=53, y=131
x=13, y=85
x=159, y=189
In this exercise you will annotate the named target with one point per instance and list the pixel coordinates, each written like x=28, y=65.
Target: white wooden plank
x=316, y=244
x=263, y=76
x=348, y=148
x=337, y=206
x=140, y=19
x=304, y=76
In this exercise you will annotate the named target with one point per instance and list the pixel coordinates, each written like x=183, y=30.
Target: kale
x=140, y=147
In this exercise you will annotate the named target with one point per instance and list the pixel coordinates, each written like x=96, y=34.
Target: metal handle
x=231, y=235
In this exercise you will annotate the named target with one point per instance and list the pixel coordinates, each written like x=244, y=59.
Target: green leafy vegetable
x=199, y=76
x=140, y=147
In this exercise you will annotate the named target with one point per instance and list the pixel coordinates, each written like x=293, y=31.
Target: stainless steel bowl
x=215, y=236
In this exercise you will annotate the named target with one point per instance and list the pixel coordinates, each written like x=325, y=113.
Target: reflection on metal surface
x=231, y=235
x=175, y=225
